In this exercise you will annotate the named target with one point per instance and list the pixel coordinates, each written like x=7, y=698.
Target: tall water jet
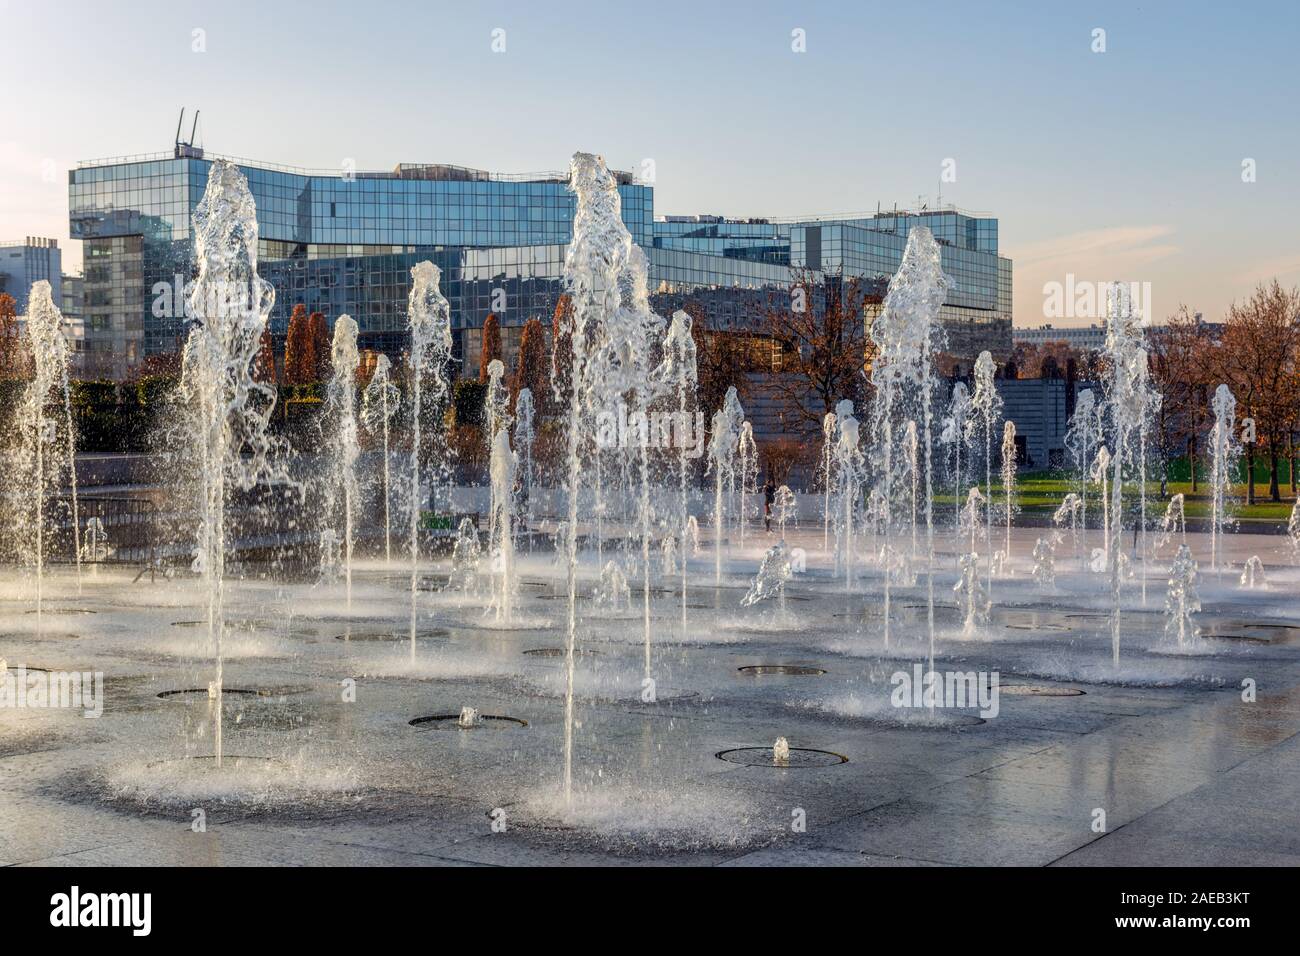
x=379, y=402
x=747, y=465
x=988, y=406
x=1008, y=479
x=525, y=437
x=229, y=304
x=678, y=371
x=910, y=450
x=428, y=320
x=848, y=470
x=956, y=431
x=1082, y=438
x=1173, y=522
x=43, y=461
x=610, y=327
x=772, y=576
x=1227, y=456
x=1182, y=599
x=971, y=593
x=827, y=463
x=724, y=439
x=907, y=336
x=502, y=466
x=1100, y=474
x=344, y=448
x=496, y=402
x=1252, y=574
x=1293, y=530
x=496, y=416
x=784, y=507
x=972, y=515
x=1127, y=401
x=1070, y=509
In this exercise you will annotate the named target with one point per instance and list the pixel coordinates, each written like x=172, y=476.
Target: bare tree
x=822, y=344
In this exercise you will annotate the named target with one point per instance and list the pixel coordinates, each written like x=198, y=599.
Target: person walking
x=769, y=496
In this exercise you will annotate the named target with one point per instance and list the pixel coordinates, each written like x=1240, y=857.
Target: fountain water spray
x=428, y=319
x=1100, y=474
x=1045, y=563
x=772, y=575
x=613, y=591
x=784, y=507
x=611, y=328
x=496, y=409
x=910, y=451
x=1071, y=510
x=781, y=752
x=988, y=407
x=1083, y=436
x=971, y=592
x=1252, y=575
x=344, y=448
x=1227, y=456
x=1182, y=599
x=678, y=371
x=848, y=471
x=746, y=459
x=230, y=304
x=1008, y=479
x=1173, y=522
x=1293, y=530
x=1128, y=402
x=827, y=463
x=466, y=554
x=747, y=465
x=502, y=537
x=968, y=588
x=43, y=462
x=378, y=405
x=724, y=439
x=525, y=437
x=956, y=432
x=907, y=335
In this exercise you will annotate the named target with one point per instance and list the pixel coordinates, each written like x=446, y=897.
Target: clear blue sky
x=1123, y=164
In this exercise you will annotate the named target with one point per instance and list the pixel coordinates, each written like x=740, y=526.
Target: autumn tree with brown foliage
x=491, y=349
x=320, y=364
x=299, y=361
x=1178, y=362
x=718, y=365
x=264, y=363
x=531, y=371
x=11, y=353
x=778, y=458
x=561, y=351
x=1257, y=357
x=822, y=329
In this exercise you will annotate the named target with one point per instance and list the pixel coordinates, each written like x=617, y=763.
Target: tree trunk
x=1191, y=460
x=1274, y=493
x=1291, y=460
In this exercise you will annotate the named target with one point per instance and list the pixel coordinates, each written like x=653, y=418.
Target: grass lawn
x=1042, y=492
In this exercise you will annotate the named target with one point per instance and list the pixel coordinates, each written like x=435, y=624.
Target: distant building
x=72, y=306
x=344, y=242
x=29, y=260
x=1087, y=338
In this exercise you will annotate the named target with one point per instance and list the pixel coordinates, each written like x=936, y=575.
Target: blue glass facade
x=344, y=243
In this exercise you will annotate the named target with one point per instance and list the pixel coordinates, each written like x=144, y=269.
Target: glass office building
x=345, y=242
